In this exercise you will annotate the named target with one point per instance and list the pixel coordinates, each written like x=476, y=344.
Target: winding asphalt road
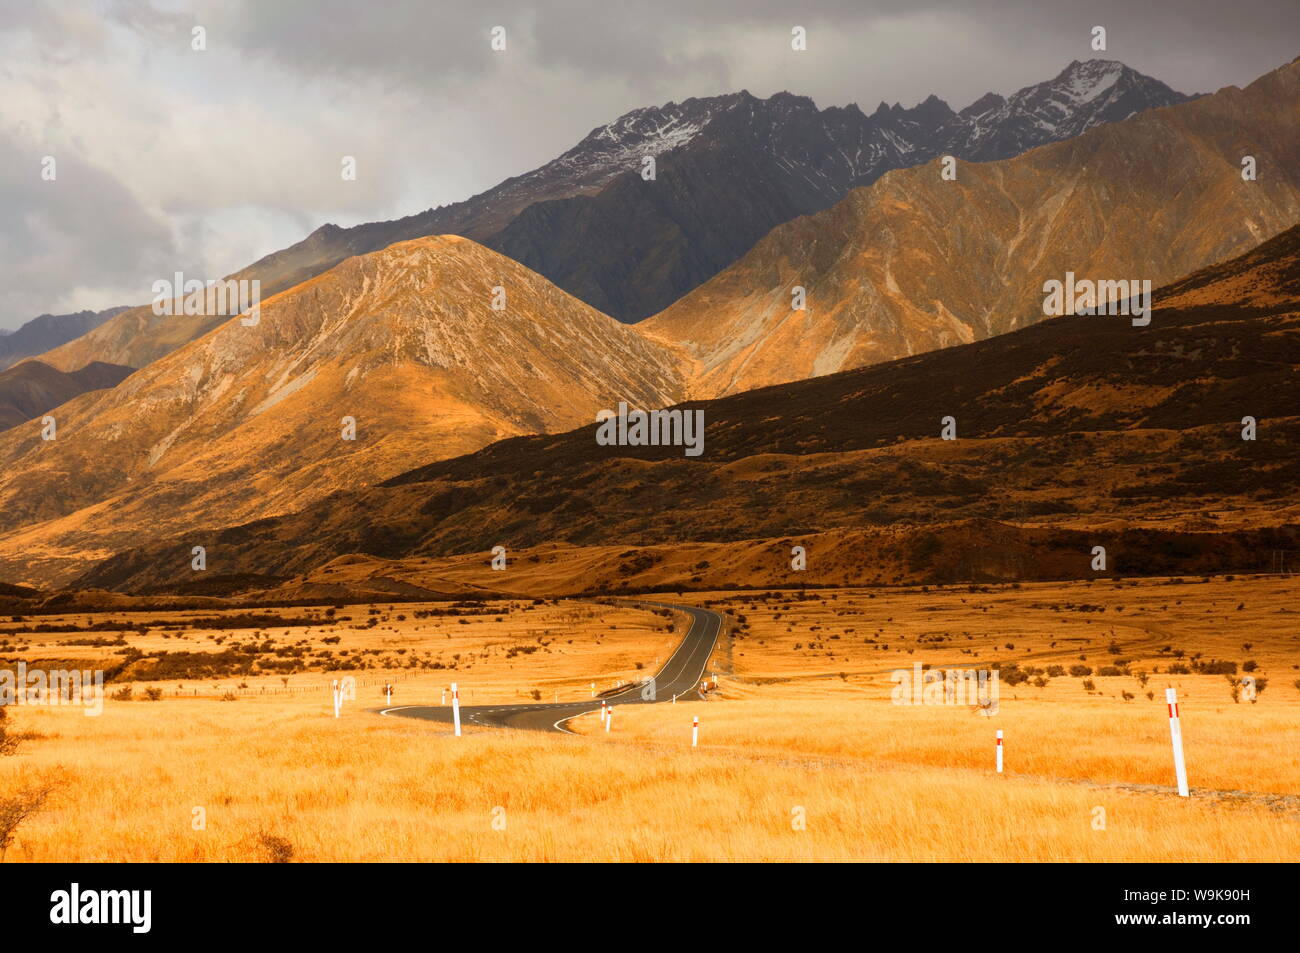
x=680, y=676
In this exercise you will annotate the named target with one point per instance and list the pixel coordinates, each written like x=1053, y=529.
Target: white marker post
x=1176, y=736
x=695, y=731
x=609, y=719
x=603, y=711
x=388, y=690
x=336, y=698
x=444, y=696
x=999, y=751
x=455, y=707
x=593, y=689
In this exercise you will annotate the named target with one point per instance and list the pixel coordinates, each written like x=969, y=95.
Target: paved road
x=680, y=676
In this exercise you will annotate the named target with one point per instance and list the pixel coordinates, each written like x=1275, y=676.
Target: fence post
x=455, y=707
x=1176, y=738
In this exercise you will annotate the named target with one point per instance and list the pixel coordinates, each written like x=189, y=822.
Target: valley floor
x=803, y=754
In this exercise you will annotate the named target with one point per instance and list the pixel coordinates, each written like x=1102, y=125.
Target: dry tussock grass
x=278, y=778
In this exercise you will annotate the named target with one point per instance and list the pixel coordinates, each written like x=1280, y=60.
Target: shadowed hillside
x=29, y=389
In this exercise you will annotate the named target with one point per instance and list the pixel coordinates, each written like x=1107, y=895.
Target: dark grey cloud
x=83, y=230
x=1197, y=44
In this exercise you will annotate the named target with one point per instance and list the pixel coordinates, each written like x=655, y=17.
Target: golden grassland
x=503, y=652
x=796, y=761
x=1152, y=624
x=366, y=788
x=1245, y=749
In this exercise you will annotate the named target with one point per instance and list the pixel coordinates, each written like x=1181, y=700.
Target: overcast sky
x=172, y=159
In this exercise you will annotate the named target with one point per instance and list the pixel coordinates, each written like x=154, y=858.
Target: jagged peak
x=1094, y=65
x=986, y=103
x=933, y=109
x=785, y=97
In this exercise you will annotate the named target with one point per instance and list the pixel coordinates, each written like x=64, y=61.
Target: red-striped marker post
x=695, y=731
x=455, y=707
x=609, y=718
x=1176, y=736
x=999, y=751
x=388, y=690
x=336, y=698
x=604, y=711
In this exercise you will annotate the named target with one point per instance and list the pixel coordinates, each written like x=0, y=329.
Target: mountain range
x=918, y=262
x=48, y=331
x=1083, y=425
x=730, y=168
x=635, y=247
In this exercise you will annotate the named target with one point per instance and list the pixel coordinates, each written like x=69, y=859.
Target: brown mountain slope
x=246, y=421
x=134, y=338
x=913, y=262
x=1080, y=422
x=31, y=388
x=42, y=334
